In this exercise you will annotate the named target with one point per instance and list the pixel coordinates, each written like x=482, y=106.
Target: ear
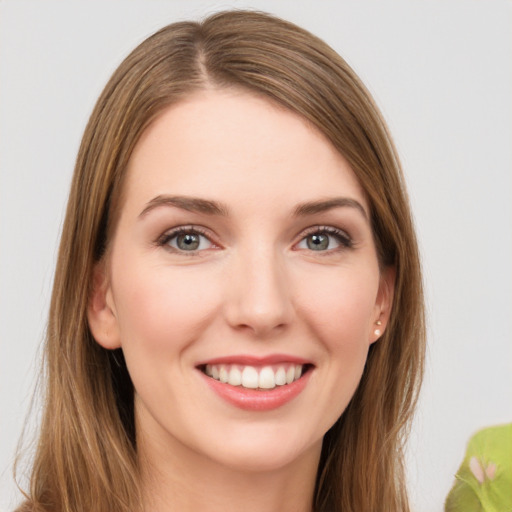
x=383, y=303
x=101, y=311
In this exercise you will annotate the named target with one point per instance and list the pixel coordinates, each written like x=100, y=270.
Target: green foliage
x=483, y=482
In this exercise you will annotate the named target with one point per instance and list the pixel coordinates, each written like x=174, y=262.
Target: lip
x=247, y=360
x=253, y=399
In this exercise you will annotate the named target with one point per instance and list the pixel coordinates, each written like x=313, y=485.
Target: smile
x=257, y=384
x=255, y=377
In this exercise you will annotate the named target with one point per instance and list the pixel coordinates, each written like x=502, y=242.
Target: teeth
x=235, y=376
x=223, y=374
x=280, y=376
x=250, y=377
x=266, y=377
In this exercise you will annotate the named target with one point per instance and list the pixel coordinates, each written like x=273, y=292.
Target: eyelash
x=341, y=237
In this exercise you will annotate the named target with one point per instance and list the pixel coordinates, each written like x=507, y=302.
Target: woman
x=237, y=315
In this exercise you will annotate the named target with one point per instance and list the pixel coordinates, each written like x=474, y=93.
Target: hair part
x=86, y=457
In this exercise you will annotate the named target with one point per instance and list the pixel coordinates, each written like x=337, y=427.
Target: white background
x=442, y=73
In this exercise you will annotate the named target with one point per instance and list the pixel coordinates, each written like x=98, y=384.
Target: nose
x=259, y=294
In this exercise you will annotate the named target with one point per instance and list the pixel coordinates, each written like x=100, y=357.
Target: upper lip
x=249, y=360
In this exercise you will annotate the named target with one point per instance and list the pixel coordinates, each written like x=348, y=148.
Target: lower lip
x=255, y=399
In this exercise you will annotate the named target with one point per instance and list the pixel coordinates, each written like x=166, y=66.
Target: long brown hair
x=86, y=455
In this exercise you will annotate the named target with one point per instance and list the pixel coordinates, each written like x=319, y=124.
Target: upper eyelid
x=170, y=233
x=319, y=228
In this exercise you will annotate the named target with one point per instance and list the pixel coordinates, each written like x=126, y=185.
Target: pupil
x=318, y=242
x=188, y=242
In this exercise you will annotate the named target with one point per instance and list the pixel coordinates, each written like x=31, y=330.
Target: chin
x=259, y=452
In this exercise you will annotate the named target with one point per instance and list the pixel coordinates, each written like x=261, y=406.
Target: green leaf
x=483, y=482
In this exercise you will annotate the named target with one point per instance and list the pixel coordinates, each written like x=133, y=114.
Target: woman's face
x=243, y=283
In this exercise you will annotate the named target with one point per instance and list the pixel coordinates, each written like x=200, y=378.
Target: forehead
x=238, y=148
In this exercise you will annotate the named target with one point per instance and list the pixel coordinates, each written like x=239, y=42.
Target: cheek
x=339, y=305
x=162, y=307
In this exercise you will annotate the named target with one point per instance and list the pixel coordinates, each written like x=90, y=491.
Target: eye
x=323, y=239
x=186, y=239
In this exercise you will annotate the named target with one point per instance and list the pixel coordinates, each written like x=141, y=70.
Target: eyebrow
x=209, y=207
x=191, y=204
x=313, y=207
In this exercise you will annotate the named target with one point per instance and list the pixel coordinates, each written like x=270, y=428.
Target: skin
x=254, y=287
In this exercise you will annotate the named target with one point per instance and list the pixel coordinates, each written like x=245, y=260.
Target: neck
x=179, y=479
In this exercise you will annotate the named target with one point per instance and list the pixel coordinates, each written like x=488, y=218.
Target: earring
x=377, y=332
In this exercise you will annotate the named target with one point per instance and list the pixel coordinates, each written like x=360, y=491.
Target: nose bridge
x=259, y=299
